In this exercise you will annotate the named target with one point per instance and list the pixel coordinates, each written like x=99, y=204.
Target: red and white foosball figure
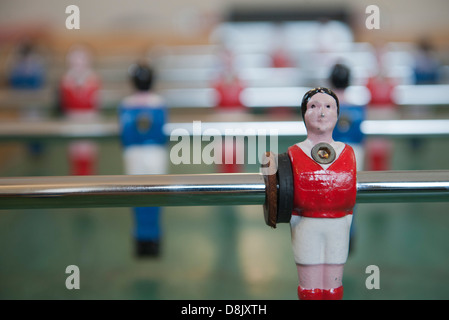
x=324, y=194
x=381, y=106
x=229, y=87
x=79, y=102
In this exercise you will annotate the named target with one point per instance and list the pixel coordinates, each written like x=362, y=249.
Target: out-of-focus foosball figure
x=351, y=116
x=142, y=118
x=381, y=106
x=27, y=76
x=229, y=87
x=426, y=68
x=79, y=102
x=27, y=71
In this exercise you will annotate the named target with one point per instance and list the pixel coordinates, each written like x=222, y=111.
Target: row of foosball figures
x=322, y=168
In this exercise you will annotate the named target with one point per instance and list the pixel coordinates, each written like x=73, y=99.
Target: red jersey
x=323, y=193
x=229, y=91
x=79, y=97
x=381, y=92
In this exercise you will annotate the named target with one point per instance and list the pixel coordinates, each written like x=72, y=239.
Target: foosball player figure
x=142, y=117
x=79, y=102
x=381, y=106
x=316, y=190
x=27, y=71
x=230, y=107
x=27, y=75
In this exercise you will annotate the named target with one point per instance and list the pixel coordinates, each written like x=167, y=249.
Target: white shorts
x=146, y=159
x=320, y=240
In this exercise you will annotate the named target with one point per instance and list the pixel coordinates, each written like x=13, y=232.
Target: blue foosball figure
x=426, y=67
x=348, y=128
x=27, y=71
x=142, y=117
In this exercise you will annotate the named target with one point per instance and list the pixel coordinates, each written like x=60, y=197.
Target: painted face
x=78, y=58
x=321, y=114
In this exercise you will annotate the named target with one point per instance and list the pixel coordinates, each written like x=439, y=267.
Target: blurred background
x=237, y=61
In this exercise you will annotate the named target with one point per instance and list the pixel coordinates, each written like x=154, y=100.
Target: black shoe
x=147, y=248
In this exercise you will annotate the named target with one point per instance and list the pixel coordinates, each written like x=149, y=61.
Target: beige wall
x=401, y=20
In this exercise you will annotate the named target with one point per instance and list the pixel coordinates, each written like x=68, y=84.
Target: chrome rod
x=403, y=186
x=32, y=130
x=131, y=191
x=269, y=89
x=57, y=130
x=201, y=190
x=421, y=95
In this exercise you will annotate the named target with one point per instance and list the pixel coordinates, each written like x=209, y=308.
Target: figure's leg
x=336, y=253
x=333, y=281
x=320, y=282
x=147, y=231
x=308, y=249
x=82, y=158
x=229, y=157
x=310, y=281
x=146, y=159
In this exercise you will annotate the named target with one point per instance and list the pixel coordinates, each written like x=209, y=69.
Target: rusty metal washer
x=269, y=169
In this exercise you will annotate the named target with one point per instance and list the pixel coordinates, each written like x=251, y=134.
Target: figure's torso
x=142, y=119
x=323, y=192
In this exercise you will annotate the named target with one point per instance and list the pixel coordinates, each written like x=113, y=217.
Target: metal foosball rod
x=17, y=131
x=131, y=191
x=203, y=190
